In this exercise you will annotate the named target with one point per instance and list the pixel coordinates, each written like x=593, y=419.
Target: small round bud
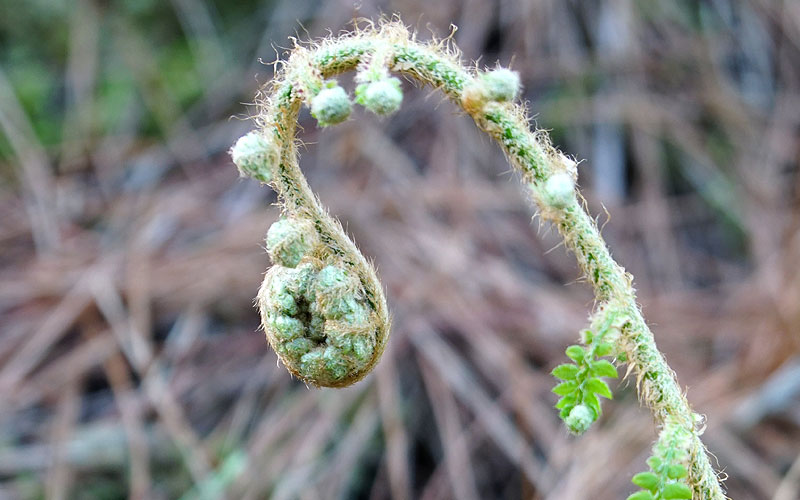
x=501, y=84
x=559, y=190
x=335, y=363
x=336, y=307
x=282, y=297
x=332, y=105
x=311, y=363
x=359, y=346
x=382, y=97
x=579, y=419
x=289, y=240
x=286, y=327
x=335, y=293
x=356, y=315
x=254, y=156
x=332, y=278
x=362, y=349
x=298, y=347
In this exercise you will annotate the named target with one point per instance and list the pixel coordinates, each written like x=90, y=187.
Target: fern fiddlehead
x=321, y=303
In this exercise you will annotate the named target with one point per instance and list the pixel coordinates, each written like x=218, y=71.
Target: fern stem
x=549, y=174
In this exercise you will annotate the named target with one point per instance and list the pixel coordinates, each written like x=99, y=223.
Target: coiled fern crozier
x=321, y=304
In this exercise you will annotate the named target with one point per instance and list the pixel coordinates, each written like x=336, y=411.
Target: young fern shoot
x=322, y=306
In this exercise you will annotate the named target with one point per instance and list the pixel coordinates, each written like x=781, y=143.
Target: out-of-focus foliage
x=139, y=47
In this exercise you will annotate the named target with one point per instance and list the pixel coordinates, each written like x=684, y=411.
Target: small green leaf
x=564, y=413
x=575, y=353
x=641, y=495
x=597, y=386
x=646, y=481
x=676, y=491
x=568, y=400
x=676, y=471
x=587, y=336
x=592, y=402
x=565, y=388
x=603, y=368
x=603, y=349
x=565, y=371
x=654, y=463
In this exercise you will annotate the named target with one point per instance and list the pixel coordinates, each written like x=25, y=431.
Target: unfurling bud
x=332, y=105
x=579, y=419
x=501, y=84
x=255, y=156
x=559, y=190
x=382, y=97
x=289, y=240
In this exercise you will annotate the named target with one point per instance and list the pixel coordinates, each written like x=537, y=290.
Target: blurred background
x=130, y=251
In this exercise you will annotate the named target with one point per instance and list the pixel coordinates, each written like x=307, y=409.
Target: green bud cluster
x=315, y=316
x=332, y=104
x=319, y=323
x=255, y=156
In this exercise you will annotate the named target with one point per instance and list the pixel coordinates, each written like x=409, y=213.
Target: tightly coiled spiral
x=322, y=306
x=318, y=315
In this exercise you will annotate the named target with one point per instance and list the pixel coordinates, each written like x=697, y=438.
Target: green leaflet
x=646, y=481
x=676, y=491
x=603, y=349
x=603, y=368
x=676, y=471
x=576, y=353
x=565, y=388
x=598, y=386
x=566, y=372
